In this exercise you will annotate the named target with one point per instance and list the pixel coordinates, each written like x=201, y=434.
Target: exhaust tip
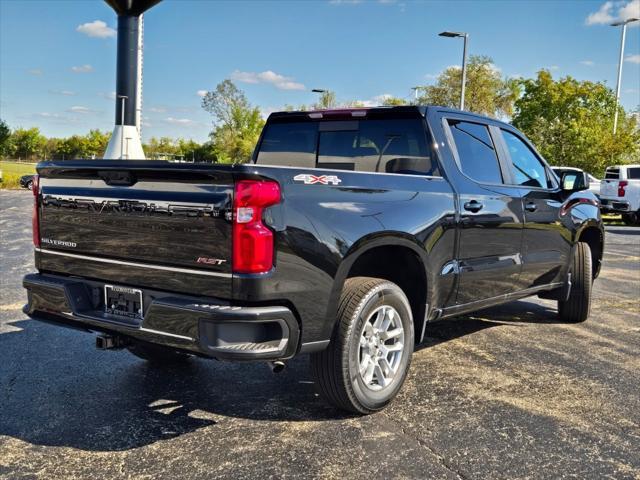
x=276, y=366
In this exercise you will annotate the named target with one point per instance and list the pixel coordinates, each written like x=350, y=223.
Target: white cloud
x=66, y=93
x=201, y=93
x=36, y=72
x=372, y=102
x=588, y=63
x=180, y=121
x=431, y=76
x=82, y=69
x=602, y=16
x=108, y=95
x=48, y=115
x=553, y=67
x=613, y=11
x=630, y=10
x=157, y=109
x=80, y=109
x=632, y=59
x=344, y=2
x=279, y=81
x=96, y=29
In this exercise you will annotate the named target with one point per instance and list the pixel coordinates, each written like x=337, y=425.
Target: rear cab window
x=612, y=173
x=393, y=145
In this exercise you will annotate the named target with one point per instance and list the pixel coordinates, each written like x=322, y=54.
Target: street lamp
x=318, y=90
x=464, y=60
x=622, y=23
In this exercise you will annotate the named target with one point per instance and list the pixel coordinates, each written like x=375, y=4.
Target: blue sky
x=57, y=58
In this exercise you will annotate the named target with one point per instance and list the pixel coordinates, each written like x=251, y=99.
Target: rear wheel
x=30, y=184
x=367, y=361
x=578, y=306
x=157, y=354
x=631, y=218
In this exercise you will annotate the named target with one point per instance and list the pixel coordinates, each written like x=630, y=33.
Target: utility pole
x=624, y=24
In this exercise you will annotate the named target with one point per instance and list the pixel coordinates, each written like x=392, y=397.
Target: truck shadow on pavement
x=57, y=390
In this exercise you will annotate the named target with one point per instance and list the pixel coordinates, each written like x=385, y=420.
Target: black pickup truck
x=347, y=233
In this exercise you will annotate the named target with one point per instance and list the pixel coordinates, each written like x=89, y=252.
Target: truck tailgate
x=609, y=188
x=170, y=220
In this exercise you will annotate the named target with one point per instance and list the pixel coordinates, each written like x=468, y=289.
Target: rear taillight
x=35, y=218
x=621, y=186
x=252, y=240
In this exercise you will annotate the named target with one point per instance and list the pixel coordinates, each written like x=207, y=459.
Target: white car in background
x=620, y=192
x=587, y=179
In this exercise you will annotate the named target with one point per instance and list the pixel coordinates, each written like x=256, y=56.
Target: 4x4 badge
x=309, y=179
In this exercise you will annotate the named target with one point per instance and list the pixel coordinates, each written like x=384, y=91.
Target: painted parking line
x=621, y=254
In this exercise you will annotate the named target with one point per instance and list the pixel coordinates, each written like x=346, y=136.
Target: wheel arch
x=409, y=270
x=592, y=234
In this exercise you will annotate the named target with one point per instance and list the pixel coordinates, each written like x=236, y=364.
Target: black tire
x=631, y=219
x=157, y=354
x=29, y=185
x=336, y=370
x=577, y=307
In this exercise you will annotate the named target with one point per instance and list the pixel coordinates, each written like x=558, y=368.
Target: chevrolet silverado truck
x=620, y=190
x=347, y=233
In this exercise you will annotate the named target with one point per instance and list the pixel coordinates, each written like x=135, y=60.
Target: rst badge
x=210, y=261
x=309, y=179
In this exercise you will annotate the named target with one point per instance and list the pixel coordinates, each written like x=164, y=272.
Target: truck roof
x=402, y=111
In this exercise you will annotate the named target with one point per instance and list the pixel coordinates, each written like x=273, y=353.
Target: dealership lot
x=506, y=393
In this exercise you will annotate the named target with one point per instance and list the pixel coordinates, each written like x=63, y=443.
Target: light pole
x=124, y=99
x=464, y=60
x=622, y=23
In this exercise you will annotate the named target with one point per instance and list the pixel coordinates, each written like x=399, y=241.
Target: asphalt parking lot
x=507, y=393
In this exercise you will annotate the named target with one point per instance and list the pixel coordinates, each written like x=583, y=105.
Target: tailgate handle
x=115, y=177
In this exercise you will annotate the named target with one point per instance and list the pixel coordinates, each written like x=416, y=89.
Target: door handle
x=531, y=207
x=473, y=206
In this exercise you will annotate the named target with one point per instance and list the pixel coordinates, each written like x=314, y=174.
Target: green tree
x=237, y=124
x=28, y=143
x=5, y=138
x=571, y=123
x=95, y=143
x=394, y=101
x=487, y=93
x=326, y=100
x=161, y=148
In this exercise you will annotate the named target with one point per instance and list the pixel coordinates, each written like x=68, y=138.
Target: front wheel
x=368, y=358
x=578, y=306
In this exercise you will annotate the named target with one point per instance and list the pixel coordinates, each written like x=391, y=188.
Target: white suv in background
x=620, y=192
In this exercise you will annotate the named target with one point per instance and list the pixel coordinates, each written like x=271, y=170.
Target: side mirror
x=573, y=181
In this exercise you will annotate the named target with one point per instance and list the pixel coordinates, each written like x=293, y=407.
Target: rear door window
x=476, y=151
x=633, y=173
